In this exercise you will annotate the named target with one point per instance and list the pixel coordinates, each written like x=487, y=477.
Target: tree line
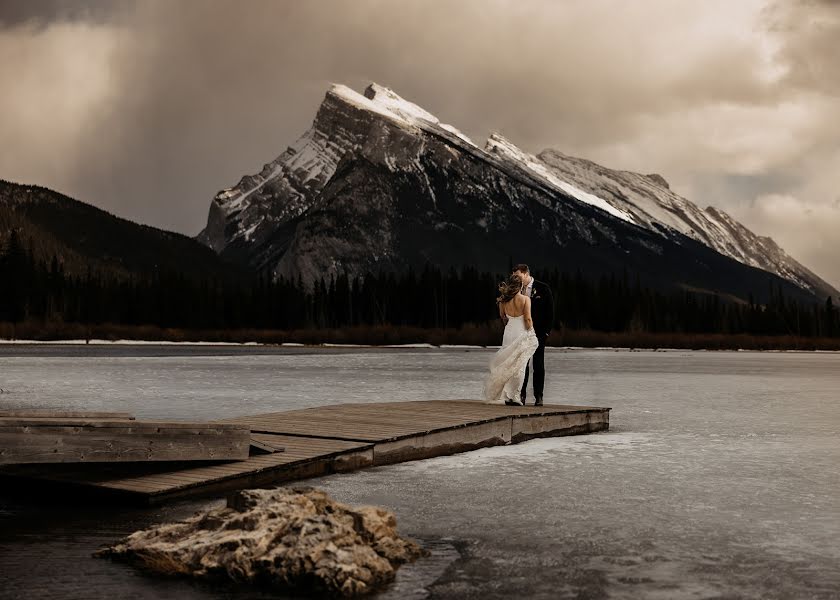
x=36, y=290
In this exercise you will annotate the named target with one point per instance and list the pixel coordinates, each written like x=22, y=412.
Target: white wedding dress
x=507, y=367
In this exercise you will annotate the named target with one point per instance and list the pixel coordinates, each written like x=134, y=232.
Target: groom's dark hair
x=522, y=268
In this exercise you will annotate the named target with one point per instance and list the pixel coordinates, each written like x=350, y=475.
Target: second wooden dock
x=327, y=439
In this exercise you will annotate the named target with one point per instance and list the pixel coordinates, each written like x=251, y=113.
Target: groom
x=542, y=312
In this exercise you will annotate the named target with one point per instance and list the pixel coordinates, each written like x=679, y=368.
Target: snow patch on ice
x=409, y=346
x=537, y=451
x=460, y=347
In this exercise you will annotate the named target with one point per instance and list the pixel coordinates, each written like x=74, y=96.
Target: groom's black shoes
x=522, y=398
x=538, y=401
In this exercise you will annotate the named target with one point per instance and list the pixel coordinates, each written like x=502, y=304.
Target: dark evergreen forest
x=36, y=291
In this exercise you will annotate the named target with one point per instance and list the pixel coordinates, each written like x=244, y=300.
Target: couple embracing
x=527, y=308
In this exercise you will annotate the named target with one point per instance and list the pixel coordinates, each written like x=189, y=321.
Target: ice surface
x=715, y=480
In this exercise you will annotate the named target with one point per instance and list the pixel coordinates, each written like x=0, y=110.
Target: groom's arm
x=549, y=297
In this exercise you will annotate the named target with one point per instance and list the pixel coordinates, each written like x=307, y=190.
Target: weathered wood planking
x=330, y=439
x=26, y=440
x=389, y=421
x=259, y=446
x=38, y=413
x=153, y=483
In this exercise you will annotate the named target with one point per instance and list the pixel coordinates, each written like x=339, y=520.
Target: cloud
x=40, y=13
x=50, y=97
x=811, y=30
x=811, y=227
x=147, y=109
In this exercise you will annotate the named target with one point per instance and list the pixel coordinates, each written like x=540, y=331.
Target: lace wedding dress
x=507, y=367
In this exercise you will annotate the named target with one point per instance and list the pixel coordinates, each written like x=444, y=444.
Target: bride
x=507, y=368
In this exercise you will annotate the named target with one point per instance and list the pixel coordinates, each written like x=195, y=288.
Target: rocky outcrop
x=290, y=538
x=659, y=180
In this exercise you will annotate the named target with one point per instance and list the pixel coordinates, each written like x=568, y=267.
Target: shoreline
x=418, y=346
x=476, y=335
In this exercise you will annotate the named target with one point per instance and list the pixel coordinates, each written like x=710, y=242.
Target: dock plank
x=37, y=413
x=387, y=421
x=27, y=440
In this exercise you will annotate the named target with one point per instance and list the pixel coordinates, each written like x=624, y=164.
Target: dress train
x=507, y=367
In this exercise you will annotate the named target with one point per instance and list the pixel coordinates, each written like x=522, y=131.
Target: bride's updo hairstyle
x=508, y=289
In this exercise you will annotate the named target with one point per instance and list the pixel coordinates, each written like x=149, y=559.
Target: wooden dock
x=327, y=439
x=52, y=437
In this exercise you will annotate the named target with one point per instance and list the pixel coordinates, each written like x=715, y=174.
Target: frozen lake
x=718, y=478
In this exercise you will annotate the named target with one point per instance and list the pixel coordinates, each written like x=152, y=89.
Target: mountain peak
x=384, y=101
x=392, y=102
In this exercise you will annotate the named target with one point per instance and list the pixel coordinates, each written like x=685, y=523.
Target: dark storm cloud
x=148, y=108
x=44, y=12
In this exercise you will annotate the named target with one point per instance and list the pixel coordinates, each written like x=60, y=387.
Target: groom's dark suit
x=542, y=312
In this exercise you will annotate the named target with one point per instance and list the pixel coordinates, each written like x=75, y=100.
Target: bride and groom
x=527, y=308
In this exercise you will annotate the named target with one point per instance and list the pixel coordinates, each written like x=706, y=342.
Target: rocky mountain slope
x=379, y=183
x=651, y=203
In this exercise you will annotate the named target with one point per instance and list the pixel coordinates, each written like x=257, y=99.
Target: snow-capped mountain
x=652, y=204
x=377, y=182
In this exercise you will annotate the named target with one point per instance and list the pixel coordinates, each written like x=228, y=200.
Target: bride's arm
x=529, y=322
x=502, y=314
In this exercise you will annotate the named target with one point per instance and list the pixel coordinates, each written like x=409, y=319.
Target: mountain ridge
x=85, y=238
x=256, y=222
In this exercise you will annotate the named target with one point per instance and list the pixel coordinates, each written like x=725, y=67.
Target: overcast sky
x=148, y=108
